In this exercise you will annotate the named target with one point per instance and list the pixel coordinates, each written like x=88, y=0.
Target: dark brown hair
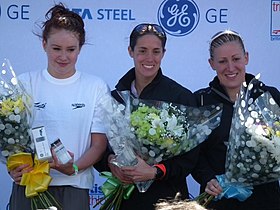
x=60, y=17
x=144, y=29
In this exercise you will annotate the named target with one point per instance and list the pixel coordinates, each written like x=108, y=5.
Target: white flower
x=178, y=130
x=156, y=121
x=171, y=123
x=276, y=152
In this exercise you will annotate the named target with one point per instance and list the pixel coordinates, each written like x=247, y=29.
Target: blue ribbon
x=233, y=190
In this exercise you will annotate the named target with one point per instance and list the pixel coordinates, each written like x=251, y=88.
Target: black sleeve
x=212, y=151
x=203, y=172
x=274, y=93
x=102, y=165
x=181, y=165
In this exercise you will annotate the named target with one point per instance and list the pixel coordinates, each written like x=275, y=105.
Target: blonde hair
x=223, y=37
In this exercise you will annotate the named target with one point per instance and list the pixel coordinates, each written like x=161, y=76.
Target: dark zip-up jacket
x=164, y=89
x=213, y=152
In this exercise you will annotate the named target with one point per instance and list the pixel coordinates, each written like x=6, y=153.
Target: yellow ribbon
x=19, y=159
x=36, y=180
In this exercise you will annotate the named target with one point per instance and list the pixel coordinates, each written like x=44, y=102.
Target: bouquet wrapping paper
x=16, y=143
x=155, y=130
x=253, y=155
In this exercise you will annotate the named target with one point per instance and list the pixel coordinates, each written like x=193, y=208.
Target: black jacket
x=213, y=153
x=164, y=89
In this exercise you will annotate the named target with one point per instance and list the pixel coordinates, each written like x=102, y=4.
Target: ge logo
x=178, y=17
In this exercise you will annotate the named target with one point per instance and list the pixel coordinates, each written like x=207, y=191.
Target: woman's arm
x=90, y=157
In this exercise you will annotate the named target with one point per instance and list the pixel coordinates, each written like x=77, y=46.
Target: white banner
x=189, y=23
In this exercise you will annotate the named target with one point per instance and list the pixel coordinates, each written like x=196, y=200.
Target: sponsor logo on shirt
x=40, y=105
x=78, y=105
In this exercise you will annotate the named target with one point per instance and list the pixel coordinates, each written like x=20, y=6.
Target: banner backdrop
x=189, y=24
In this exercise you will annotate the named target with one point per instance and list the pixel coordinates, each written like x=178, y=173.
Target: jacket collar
x=125, y=82
x=219, y=89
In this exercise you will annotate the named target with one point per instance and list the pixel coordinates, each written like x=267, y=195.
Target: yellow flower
x=8, y=106
x=167, y=142
x=19, y=104
x=5, y=107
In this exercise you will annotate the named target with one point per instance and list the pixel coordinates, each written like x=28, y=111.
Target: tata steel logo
x=178, y=17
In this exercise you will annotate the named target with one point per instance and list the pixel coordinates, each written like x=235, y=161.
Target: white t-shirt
x=69, y=110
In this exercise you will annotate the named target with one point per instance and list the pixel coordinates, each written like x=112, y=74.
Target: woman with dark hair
x=66, y=104
x=229, y=58
x=147, y=81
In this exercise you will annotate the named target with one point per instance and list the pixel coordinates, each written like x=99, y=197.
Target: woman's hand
x=117, y=171
x=66, y=168
x=213, y=187
x=17, y=173
x=140, y=172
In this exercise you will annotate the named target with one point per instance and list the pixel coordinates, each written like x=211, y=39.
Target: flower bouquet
x=253, y=153
x=155, y=130
x=254, y=145
x=15, y=115
x=16, y=144
x=164, y=130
